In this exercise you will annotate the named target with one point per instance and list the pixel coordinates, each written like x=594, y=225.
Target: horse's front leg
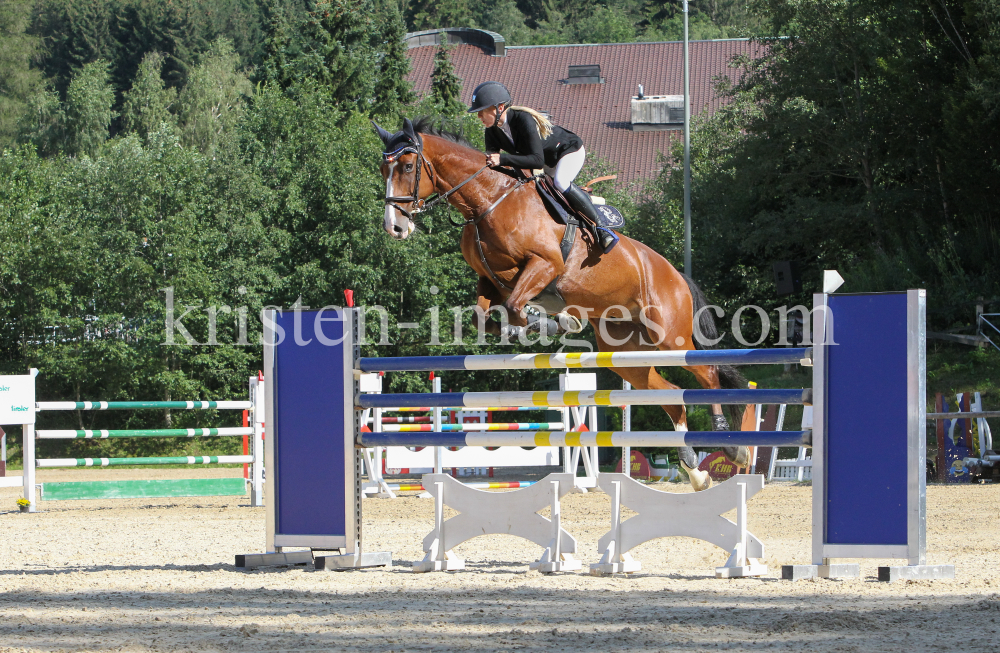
x=536, y=274
x=487, y=298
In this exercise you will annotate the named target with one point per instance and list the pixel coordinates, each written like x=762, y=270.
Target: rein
x=479, y=218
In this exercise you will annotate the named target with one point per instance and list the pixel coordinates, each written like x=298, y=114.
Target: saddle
x=559, y=207
x=563, y=213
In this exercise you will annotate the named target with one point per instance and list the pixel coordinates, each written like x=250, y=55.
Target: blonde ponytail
x=543, y=123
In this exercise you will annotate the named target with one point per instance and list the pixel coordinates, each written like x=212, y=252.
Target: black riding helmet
x=489, y=94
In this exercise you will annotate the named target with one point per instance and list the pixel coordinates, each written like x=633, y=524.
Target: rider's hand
x=493, y=159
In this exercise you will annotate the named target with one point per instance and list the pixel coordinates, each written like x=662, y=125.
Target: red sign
x=639, y=467
x=718, y=466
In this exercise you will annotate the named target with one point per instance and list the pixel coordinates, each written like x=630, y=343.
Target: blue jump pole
x=589, y=439
x=589, y=398
x=589, y=360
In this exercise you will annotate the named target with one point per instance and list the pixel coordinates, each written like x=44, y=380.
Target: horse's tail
x=729, y=376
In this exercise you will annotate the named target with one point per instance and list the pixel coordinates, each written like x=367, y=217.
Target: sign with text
x=17, y=399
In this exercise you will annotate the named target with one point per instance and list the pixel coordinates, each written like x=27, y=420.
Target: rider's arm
x=525, y=133
x=492, y=144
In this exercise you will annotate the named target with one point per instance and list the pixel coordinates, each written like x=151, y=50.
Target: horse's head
x=402, y=163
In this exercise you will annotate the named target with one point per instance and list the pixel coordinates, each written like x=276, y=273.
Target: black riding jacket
x=529, y=151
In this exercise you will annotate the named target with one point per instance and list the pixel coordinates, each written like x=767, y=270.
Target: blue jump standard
x=587, y=398
x=599, y=438
x=588, y=360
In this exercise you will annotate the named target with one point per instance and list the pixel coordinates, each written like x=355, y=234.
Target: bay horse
x=510, y=240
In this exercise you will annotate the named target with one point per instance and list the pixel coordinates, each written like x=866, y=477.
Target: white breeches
x=567, y=168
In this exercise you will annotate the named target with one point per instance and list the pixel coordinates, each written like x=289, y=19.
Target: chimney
x=657, y=112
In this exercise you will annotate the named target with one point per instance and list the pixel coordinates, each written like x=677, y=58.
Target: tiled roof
x=599, y=113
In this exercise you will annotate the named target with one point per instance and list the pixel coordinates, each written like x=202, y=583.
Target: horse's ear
x=408, y=130
x=383, y=134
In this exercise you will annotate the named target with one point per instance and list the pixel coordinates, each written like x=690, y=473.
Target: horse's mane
x=435, y=127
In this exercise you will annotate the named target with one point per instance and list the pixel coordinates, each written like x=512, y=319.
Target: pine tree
x=392, y=90
x=18, y=81
x=74, y=34
x=166, y=26
x=353, y=49
x=446, y=87
x=429, y=14
x=277, y=56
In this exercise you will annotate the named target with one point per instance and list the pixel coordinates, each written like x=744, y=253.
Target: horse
x=510, y=240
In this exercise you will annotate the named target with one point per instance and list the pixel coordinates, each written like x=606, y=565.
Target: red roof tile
x=599, y=113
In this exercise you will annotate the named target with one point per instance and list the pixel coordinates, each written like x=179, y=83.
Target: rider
x=530, y=141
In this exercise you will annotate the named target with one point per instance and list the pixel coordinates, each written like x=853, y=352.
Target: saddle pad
x=609, y=216
x=557, y=209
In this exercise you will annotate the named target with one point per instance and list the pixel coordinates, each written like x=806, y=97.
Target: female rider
x=529, y=141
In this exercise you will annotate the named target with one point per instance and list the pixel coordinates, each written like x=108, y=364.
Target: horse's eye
x=409, y=167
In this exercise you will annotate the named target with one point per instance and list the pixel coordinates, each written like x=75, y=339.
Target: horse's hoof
x=739, y=456
x=569, y=323
x=700, y=480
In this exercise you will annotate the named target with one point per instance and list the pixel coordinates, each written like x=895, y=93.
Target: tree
x=502, y=17
x=74, y=34
x=853, y=144
x=553, y=26
x=431, y=14
x=351, y=48
x=168, y=26
x=43, y=121
x=18, y=81
x=606, y=24
x=392, y=91
x=147, y=104
x=446, y=87
x=214, y=97
x=88, y=112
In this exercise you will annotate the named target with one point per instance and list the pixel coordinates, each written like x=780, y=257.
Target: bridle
x=419, y=205
x=414, y=197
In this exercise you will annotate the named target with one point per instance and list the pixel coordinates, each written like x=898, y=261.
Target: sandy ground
x=158, y=575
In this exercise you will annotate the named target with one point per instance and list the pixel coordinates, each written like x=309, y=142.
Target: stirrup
x=607, y=238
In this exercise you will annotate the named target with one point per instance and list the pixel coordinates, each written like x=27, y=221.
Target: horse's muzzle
x=398, y=232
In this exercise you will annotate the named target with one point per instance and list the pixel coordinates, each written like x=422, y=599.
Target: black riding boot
x=579, y=199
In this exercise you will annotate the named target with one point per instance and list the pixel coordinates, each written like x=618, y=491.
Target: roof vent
x=656, y=112
x=585, y=75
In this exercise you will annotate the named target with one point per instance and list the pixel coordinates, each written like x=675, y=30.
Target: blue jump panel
x=309, y=415
x=866, y=427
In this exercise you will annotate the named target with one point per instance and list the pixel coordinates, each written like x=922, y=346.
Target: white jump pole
x=438, y=451
x=28, y=457
x=257, y=422
x=627, y=426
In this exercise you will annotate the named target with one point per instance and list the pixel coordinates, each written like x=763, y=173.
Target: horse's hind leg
x=676, y=333
x=708, y=377
x=648, y=378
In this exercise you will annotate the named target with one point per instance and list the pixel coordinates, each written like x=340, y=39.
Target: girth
x=565, y=246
